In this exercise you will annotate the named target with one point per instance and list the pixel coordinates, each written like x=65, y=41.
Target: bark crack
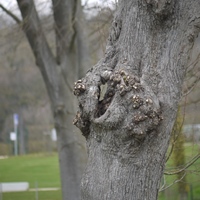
x=115, y=31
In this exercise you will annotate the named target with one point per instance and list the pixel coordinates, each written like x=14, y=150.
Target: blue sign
x=16, y=119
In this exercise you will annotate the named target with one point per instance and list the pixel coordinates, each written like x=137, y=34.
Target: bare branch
x=176, y=181
x=192, y=161
x=163, y=186
x=101, y=26
x=40, y=47
x=191, y=87
x=194, y=101
x=193, y=64
x=172, y=148
x=15, y=18
x=64, y=16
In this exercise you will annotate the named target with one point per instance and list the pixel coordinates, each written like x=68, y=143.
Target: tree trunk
x=179, y=156
x=128, y=128
x=59, y=74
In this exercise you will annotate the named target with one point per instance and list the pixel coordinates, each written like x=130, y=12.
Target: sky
x=46, y=7
x=12, y=3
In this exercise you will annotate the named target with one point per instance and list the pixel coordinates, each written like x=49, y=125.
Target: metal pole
x=36, y=190
x=16, y=122
x=16, y=143
x=1, y=192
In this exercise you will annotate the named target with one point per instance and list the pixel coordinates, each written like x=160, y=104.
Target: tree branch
x=191, y=87
x=186, y=166
x=100, y=27
x=14, y=17
x=65, y=16
x=172, y=148
x=176, y=181
x=39, y=45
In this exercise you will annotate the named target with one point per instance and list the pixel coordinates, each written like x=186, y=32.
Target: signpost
x=53, y=135
x=12, y=136
x=16, y=122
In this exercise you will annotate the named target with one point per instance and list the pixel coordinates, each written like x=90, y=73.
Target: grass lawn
x=40, y=168
x=44, y=170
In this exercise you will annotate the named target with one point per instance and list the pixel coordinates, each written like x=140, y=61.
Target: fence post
x=36, y=191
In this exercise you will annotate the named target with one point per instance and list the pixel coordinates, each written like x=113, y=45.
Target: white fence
x=14, y=187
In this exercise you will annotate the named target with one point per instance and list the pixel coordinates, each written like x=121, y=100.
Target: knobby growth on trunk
x=128, y=101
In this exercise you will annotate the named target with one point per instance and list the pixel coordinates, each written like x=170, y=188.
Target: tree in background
x=179, y=156
x=128, y=128
x=59, y=73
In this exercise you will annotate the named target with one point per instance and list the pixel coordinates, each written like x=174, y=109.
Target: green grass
x=38, y=168
x=41, y=169
x=44, y=170
x=50, y=195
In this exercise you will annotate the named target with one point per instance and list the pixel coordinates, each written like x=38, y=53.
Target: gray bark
x=143, y=69
x=59, y=74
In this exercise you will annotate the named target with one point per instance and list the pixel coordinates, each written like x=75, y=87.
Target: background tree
x=179, y=156
x=59, y=73
x=128, y=129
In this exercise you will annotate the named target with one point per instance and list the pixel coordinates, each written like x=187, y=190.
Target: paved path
x=3, y=157
x=43, y=189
